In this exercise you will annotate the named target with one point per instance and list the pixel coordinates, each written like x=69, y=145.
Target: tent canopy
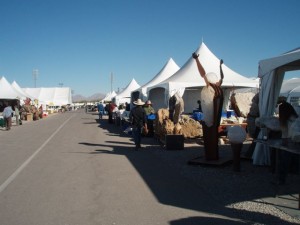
x=124, y=96
x=54, y=96
x=7, y=91
x=291, y=90
x=108, y=97
x=288, y=86
x=271, y=71
x=286, y=62
x=295, y=92
x=188, y=75
x=18, y=89
x=188, y=78
x=168, y=70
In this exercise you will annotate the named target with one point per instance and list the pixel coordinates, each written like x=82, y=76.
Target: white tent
x=168, y=70
x=19, y=90
x=62, y=96
x=108, y=97
x=125, y=95
x=51, y=96
x=288, y=86
x=34, y=92
x=271, y=72
x=7, y=91
x=188, y=78
x=291, y=90
x=294, y=96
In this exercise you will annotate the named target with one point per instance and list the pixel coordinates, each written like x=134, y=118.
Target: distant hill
x=94, y=97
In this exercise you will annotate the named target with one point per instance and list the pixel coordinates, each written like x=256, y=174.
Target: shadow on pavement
x=175, y=183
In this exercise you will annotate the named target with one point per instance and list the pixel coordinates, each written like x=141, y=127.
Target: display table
x=277, y=144
x=2, y=122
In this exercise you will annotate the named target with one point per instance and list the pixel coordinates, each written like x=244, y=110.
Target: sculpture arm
x=221, y=73
x=200, y=68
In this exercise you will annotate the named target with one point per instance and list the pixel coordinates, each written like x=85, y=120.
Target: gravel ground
x=243, y=192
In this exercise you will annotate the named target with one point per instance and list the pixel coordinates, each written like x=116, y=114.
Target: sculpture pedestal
x=236, y=156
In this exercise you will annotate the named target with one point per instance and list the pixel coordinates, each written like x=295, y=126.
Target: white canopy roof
x=188, y=77
x=271, y=71
x=62, y=96
x=289, y=86
x=124, y=96
x=18, y=89
x=109, y=96
x=51, y=96
x=294, y=93
x=288, y=62
x=168, y=70
x=7, y=91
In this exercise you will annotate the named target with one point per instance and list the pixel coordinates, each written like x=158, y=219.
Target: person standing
x=138, y=120
x=7, y=114
x=150, y=117
x=17, y=114
x=148, y=108
x=252, y=129
x=172, y=103
x=287, y=116
x=111, y=109
x=127, y=106
x=211, y=102
x=100, y=110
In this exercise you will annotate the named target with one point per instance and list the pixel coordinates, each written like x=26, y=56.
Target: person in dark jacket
x=138, y=120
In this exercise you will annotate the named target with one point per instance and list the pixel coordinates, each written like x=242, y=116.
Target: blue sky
x=79, y=43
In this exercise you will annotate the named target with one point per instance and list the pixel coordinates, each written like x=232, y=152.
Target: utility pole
x=35, y=74
x=111, y=81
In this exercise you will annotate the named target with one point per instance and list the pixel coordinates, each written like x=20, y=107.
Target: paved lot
x=71, y=169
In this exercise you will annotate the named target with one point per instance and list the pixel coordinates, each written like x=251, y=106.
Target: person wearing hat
x=150, y=117
x=148, y=108
x=211, y=102
x=138, y=120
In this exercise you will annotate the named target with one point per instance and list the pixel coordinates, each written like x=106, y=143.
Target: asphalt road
x=71, y=169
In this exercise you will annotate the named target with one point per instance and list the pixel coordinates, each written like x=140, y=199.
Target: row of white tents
x=185, y=80
x=56, y=96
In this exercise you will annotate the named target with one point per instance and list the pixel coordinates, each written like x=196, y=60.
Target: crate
x=2, y=123
x=174, y=142
x=29, y=117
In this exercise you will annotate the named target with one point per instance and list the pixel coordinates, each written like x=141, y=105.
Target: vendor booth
x=271, y=72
